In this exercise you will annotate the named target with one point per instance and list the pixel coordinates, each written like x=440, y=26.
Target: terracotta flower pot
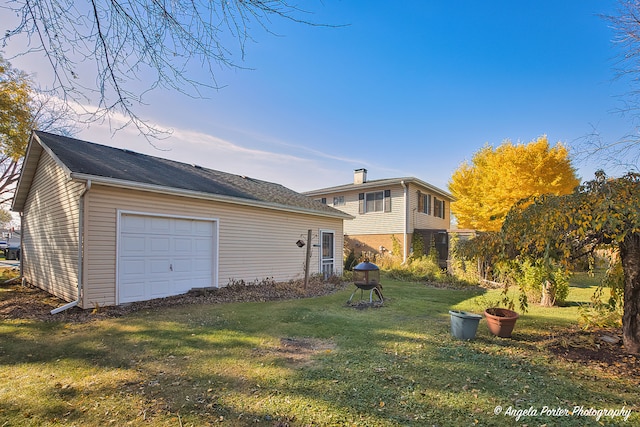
x=501, y=321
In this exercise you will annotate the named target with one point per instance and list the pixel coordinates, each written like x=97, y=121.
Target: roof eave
x=27, y=172
x=377, y=183
x=113, y=182
x=34, y=151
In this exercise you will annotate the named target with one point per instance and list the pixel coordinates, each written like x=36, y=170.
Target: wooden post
x=306, y=264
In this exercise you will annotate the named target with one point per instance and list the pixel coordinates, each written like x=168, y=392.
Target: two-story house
x=384, y=209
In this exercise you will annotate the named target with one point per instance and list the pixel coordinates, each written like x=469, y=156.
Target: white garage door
x=163, y=256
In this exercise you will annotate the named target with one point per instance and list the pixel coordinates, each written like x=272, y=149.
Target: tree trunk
x=548, y=294
x=630, y=257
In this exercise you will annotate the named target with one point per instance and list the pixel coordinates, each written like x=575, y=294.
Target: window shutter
x=436, y=207
x=420, y=202
x=361, y=203
x=387, y=200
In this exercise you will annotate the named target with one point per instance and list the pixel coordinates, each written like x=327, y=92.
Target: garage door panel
x=182, y=245
x=182, y=265
x=132, y=291
x=158, y=225
x=131, y=267
x=133, y=245
x=131, y=223
x=159, y=266
x=202, y=245
x=157, y=289
x=160, y=257
x=160, y=245
x=183, y=226
x=201, y=265
x=203, y=228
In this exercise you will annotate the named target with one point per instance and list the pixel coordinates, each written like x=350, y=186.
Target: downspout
x=22, y=279
x=406, y=220
x=80, y=249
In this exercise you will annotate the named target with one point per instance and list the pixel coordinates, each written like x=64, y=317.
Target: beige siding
x=50, y=231
x=371, y=222
x=254, y=243
x=393, y=222
x=423, y=221
x=369, y=231
x=374, y=243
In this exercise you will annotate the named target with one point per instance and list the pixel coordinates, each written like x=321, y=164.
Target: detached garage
x=105, y=226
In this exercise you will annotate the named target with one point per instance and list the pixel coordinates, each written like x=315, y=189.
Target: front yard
x=311, y=361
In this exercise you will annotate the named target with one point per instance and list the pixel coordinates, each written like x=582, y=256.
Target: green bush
x=461, y=267
x=537, y=274
x=417, y=270
x=350, y=261
x=599, y=313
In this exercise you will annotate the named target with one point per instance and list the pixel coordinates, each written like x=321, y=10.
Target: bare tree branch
x=621, y=152
x=136, y=46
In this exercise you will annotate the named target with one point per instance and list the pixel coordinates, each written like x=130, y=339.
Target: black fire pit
x=366, y=277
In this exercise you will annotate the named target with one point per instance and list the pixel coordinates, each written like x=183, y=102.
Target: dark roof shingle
x=100, y=161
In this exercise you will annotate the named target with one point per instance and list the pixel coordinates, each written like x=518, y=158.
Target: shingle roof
x=105, y=163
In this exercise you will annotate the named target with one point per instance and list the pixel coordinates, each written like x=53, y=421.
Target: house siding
x=50, y=231
x=371, y=222
x=254, y=243
x=422, y=221
x=369, y=232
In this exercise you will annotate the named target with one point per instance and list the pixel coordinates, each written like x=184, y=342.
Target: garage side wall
x=254, y=243
x=50, y=231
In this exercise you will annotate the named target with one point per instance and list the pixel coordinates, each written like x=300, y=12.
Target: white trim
x=165, y=215
x=215, y=244
x=405, y=232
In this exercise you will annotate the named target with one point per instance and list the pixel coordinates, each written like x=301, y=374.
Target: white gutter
x=80, y=249
x=406, y=220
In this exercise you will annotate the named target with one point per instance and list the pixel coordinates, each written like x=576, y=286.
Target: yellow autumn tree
x=23, y=108
x=16, y=112
x=497, y=178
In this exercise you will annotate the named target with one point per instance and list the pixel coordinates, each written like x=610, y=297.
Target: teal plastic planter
x=464, y=325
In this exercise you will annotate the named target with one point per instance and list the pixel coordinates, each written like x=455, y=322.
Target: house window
x=438, y=208
x=322, y=200
x=376, y=201
x=424, y=203
x=338, y=201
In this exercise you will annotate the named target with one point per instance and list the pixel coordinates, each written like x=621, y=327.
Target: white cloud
x=299, y=173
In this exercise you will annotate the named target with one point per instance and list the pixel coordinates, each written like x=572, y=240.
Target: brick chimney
x=359, y=176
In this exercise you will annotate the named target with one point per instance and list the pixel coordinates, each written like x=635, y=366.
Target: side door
x=327, y=252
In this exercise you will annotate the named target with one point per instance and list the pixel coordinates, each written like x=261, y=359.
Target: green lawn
x=303, y=362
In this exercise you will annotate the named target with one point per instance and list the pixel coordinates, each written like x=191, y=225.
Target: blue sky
x=407, y=88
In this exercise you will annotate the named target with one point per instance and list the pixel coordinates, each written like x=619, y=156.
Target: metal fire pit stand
x=366, y=277
x=372, y=288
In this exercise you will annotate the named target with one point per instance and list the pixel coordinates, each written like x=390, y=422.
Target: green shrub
x=417, y=270
x=417, y=245
x=599, y=313
x=350, y=260
x=461, y=267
